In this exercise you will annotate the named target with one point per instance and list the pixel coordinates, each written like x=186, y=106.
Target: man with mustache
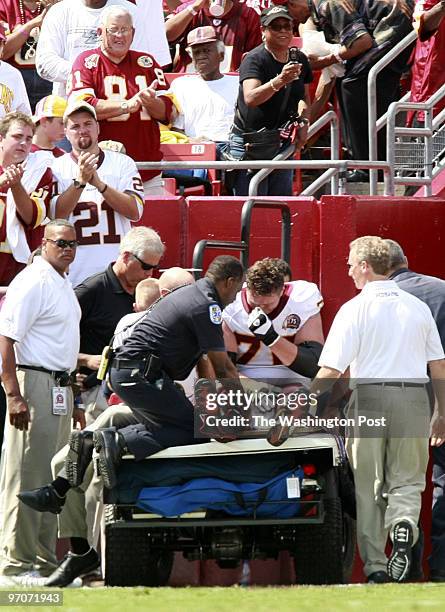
x=100, y=192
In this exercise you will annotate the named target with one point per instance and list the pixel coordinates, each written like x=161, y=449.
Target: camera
x=293, y=55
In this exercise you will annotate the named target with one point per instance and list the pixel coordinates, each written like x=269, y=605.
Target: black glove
x=261, y=326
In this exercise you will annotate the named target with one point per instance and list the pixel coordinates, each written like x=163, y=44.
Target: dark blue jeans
x=278, y=183
x=36, y=87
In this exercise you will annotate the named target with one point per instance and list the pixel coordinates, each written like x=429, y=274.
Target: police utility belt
x=150, y=367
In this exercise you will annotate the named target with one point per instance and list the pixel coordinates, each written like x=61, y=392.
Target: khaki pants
x=389, y=465
x=29, y=537
x=95, y=403
x=79, y=514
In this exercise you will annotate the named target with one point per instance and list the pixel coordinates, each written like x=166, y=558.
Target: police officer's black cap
x=274, y=12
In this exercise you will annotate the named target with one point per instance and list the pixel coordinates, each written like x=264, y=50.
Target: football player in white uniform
x=273, y=333
x=100, y=192
x=273, y=329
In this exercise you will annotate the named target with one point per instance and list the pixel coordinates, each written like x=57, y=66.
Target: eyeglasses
x=64, y=244
x=145, y=266
x=277, y=27
x=118, y=31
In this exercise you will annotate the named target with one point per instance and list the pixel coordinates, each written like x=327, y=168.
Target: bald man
x=173, y=278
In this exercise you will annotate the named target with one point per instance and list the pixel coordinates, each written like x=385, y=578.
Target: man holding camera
x=274, y=89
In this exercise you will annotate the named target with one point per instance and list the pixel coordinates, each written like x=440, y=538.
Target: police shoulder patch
x=91, y=61
x=145, y=61
x=215, y=314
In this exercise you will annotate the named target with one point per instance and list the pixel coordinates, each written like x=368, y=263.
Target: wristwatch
x=124, y=106
x=78, y=185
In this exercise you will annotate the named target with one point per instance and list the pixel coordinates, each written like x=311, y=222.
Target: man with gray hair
x=126, y=89
x=69, y=28
x=104, y=299
x=430, y=290
x=205, y=101
x=387, y=338
x=39, y=344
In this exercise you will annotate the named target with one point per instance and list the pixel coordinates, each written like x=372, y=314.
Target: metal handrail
x=426, y=132
x=244, y=244
x=372, y=101
x=330, y=117
x=337, y=165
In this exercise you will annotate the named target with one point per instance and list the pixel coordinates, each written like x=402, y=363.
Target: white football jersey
x=99, y=228
x=300, y=301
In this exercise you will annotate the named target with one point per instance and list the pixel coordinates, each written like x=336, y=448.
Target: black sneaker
x=110, y=448
x=44, y=499
x=400, y=560
x=73, y=566
x=79, y=456
x=378, y=578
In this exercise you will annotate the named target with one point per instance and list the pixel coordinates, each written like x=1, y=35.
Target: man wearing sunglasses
x=104, y=299
x=39, y=344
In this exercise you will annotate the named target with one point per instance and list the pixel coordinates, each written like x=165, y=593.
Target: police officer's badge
x=145, y=61
x=215, y=314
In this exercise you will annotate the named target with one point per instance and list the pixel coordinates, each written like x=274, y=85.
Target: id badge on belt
x=60, y=401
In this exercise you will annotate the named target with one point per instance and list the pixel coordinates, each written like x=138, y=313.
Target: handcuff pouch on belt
x=152, y=371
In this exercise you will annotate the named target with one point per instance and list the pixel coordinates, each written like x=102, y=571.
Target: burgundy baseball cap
x=201, y=35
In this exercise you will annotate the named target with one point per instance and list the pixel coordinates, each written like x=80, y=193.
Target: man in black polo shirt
x=104, y=299
x=430, y=290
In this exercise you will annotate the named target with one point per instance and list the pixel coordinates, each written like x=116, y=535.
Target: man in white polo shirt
x=39, y=344
x=387, y=337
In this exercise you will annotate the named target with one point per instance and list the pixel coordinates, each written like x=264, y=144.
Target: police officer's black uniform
x=165, y=346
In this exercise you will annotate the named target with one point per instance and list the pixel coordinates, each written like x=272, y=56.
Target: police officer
x=430, y=290
x=162, y=348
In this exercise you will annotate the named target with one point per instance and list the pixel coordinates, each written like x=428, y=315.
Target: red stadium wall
x=321, y=232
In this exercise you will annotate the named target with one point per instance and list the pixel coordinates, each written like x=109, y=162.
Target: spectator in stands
x=100, y=191
x=205, y=102
x=105, y=298
x=23, y=21
x=366, y=30
x=25, y=189
x=238, y=27
x=13, y=96
x=428, y=69
x=272, y=91
x=39, y=342
x=48, y=118
x=71, y=28
x=124, y=87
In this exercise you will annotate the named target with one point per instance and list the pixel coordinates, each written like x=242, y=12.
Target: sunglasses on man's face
x=64, y=244
x=277, y=27
x=145, y=266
